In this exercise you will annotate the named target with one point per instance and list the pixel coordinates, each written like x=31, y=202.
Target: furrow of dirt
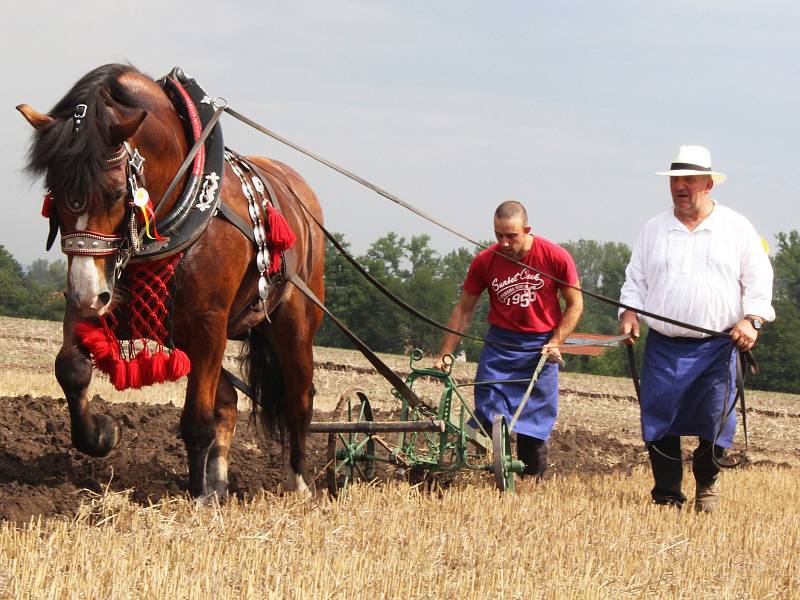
x=41, y=474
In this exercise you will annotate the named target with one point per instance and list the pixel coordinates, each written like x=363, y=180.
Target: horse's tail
x=265, y=379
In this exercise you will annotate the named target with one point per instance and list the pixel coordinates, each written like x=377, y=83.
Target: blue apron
x=501, y=363
x=688, y=386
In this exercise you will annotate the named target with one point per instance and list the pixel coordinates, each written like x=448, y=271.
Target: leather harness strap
x=278, y=281
x=457, y=233
x=399, y=385
x=237, y=221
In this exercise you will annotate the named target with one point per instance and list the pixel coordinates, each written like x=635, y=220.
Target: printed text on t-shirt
x=518, y=289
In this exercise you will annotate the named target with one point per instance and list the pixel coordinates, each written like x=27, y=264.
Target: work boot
x=706, y=468
x=706, y=498
x=667, y=463
x=534, y=453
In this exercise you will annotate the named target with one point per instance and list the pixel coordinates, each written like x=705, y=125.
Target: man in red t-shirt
x=525, y=319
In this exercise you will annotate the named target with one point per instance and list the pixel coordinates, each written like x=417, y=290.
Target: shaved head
x=510, y=209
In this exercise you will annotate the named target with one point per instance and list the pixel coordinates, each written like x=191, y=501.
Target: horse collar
x=192, y=212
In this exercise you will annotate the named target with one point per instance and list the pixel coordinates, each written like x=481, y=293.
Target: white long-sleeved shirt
x=711, y=277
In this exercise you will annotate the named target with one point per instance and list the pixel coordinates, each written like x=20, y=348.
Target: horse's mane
x=74, y=164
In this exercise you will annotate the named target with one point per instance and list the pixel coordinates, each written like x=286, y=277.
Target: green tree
x=601, y=268
x=35, y=294
x=344, y=290
x=48, y=275
x=15, y=297
x=777, y=350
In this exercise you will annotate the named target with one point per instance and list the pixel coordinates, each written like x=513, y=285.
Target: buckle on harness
x=136, y=160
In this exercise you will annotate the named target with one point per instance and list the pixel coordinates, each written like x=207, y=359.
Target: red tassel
x=281, y=237
x=158, y=367
x=97, y=341
x=134, y=374
x=178, y=365
x=119, y=375
x=47, y=206
x=107, y=365
x=145, y=368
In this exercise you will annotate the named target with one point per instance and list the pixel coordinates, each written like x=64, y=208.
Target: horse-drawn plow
x=426, y=438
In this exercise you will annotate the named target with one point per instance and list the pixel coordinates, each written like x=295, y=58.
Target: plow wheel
x=350, y=454
x=501, y=455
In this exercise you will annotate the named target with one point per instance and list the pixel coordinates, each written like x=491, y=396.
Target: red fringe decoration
x=134, y=374
x=148, y=321
x=47, y=206
x=149, y=317
x=178, y=365
x=145, y=371
x=100, y=342
x=119, y=375
x=158, y=367
x=281, y=237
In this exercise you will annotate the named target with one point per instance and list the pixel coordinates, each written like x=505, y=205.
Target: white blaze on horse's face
x=88, y=290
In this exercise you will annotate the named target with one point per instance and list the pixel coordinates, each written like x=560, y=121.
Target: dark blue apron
x=501, y=363
x=687, y=387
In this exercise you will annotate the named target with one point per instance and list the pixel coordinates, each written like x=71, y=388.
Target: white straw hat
x=693, y=160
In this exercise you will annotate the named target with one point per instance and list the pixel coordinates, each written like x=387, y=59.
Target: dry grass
x=569, y=538
x=573, y=537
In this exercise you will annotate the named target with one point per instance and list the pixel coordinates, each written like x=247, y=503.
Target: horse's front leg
x=95, y=435
x=205, y=346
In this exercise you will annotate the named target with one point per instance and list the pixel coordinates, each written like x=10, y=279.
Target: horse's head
x=84, y=147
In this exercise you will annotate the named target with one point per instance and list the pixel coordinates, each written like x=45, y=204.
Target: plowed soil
x=41, y=474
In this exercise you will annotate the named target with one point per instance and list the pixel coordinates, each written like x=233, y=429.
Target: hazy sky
x=454, y=106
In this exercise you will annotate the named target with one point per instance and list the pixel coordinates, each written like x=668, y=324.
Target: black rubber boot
x=665, y=458
x=534, y=453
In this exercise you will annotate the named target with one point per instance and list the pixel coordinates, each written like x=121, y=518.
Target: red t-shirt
x=521, y=299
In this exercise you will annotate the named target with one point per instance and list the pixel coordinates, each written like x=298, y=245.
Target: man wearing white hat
x=703, y=264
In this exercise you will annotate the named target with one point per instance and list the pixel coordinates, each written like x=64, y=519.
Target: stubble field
x=120, y=527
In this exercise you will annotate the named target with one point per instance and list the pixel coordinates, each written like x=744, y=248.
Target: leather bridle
x=85, y=242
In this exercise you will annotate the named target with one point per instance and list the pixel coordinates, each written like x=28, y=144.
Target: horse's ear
x=124, y=130
x=34, y=117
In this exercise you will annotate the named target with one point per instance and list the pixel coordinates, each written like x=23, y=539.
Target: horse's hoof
x=294, y=483
x=107, y=435
x=213, y=499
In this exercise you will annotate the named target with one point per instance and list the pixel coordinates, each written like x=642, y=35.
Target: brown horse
x=80, y=148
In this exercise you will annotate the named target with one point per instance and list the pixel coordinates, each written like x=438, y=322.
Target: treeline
x=35, y=292
x=431, y=283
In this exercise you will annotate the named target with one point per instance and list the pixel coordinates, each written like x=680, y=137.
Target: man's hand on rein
x=744, y=335
x=629, y=325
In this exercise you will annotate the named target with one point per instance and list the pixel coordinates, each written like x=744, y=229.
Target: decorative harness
x=191, y=213
x=146, y=257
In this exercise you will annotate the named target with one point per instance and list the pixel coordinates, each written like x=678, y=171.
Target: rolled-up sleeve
x=756, y=278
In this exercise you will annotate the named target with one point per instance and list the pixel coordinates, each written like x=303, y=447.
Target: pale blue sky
x=568, y=107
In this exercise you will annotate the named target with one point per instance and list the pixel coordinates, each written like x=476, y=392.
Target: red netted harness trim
x=146, y=358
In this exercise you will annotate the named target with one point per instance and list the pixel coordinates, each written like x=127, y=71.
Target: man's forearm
x=570, y=317
x=457, y=322
x=569, y=321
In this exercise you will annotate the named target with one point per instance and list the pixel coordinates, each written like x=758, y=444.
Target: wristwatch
x=756, y=323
